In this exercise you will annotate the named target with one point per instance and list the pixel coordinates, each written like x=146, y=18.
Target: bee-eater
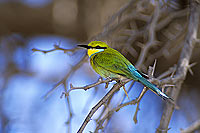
x=109, y=63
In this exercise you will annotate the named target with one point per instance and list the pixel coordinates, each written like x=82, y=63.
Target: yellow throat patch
x=93, y=51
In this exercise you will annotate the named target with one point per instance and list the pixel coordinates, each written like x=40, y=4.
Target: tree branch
x=151, y=35
x=183, y=63
x=99, y=104
x=56, y=47
x=100, y=81
x=194, y=126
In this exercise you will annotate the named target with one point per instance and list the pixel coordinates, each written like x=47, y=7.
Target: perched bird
x=109, y=63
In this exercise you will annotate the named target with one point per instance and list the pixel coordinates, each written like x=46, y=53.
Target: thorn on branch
x=190, y=66
x=125, y=92
x=151, y=69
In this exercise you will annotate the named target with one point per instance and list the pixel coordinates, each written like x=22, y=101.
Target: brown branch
x=164, y=78
x=100, y=81
x=116, y=109
x=183, y=63
x=170, y=17
x=165, y=50
x=56, y=47
x=112, y=111
x=124, y=96
x=160, y=24
x=116, y=87
x=192, y=128
x=119, y=13
x=126, y=19
x=151, y=35
x=138, y=103
x=105, y=109
x=69, y=121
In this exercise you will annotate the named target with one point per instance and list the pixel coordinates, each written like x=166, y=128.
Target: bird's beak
x=84, y=46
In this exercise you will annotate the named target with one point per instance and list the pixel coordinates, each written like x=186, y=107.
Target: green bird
x=109, y=63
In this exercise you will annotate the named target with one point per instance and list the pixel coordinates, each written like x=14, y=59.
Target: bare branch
x=99, y=104
x=192, y=128
x=119, y=13
x=69, y=121
x=138, y=103
x=126, y=19
x=100, y=81
x=112, y=111
x=151, y=36
x=132, y=83
x=170, y=17
x=56, y=47
x=183, y=63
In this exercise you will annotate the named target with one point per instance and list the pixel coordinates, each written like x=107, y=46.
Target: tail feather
x=153, y=88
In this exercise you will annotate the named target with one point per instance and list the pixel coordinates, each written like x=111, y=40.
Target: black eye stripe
x=90, y=47
x=99, y=47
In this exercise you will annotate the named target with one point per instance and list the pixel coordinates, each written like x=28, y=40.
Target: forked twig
x=100, y=81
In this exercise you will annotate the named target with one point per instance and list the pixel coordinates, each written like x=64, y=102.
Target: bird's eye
x=98, y=47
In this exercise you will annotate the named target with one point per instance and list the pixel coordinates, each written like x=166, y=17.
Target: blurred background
x=26, y=76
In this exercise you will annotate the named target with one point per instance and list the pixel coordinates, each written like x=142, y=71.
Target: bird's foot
x=109, y=79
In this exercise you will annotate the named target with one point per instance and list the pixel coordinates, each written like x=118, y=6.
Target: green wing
x=114, y=62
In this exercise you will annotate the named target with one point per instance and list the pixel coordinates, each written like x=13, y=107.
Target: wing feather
x=115, y=63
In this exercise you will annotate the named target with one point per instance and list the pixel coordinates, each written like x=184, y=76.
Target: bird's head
x=95, y=47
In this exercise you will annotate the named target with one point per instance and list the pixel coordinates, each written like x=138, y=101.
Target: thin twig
x=56, y=47
x=192, y=128
x=124, y=96
x=100, y=81
x=138, y=103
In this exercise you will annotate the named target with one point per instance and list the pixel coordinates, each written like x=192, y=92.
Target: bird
x=109, y=63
